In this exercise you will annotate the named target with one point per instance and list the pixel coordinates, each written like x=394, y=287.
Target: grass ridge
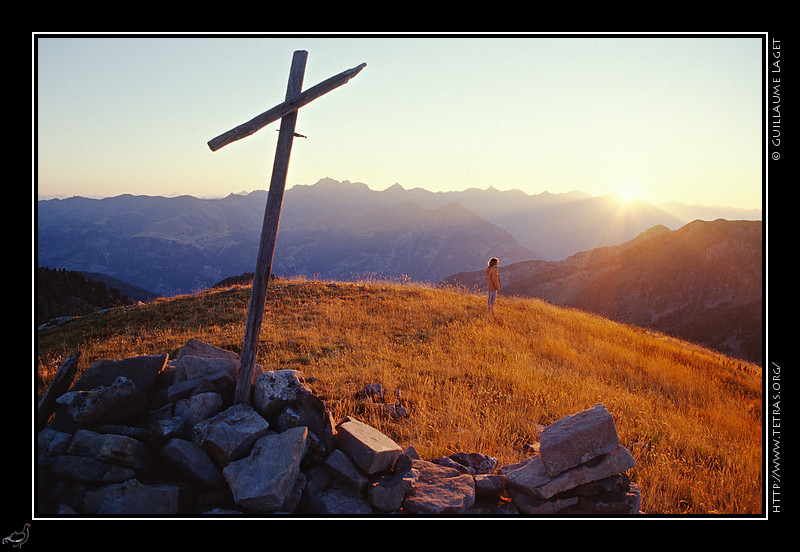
x=473, y=382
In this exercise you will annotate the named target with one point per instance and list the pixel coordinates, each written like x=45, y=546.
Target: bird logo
x=17, y=538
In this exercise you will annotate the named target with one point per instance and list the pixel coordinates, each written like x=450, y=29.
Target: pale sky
x=665, y=118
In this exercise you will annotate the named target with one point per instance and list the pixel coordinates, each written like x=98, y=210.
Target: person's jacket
x=492, y=278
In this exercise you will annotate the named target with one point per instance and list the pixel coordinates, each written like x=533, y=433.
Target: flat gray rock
x=192, y=461
x=265, y=480
x=230, y=434
x=141, y=370
x=371, y=450
x=439, y=490
x=576, y=439
x=132, y=497
x=532, y=477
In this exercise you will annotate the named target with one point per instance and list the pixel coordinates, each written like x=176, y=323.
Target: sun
x=627, y=192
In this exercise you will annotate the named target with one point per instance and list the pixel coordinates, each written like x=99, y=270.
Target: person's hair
x=493, y=261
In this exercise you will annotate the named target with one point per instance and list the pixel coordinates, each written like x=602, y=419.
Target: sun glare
x=627, y=192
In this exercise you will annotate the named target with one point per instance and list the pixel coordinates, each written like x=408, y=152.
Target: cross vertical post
x=286, y=111
x=269, y=233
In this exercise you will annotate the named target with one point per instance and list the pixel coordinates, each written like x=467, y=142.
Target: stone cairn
x=159, y=437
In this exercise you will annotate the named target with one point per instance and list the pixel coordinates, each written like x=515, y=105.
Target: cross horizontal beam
x=292, y=104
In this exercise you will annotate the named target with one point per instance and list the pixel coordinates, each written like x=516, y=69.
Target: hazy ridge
x=702, y=282
x=337, y=230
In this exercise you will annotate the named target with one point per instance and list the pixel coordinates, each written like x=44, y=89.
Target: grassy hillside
x=474, y=383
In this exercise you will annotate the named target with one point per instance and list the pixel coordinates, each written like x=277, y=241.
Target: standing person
x=492, y=281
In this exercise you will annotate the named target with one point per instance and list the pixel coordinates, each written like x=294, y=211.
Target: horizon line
x=396, y=185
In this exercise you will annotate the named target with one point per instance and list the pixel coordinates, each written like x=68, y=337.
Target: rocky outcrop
x=151, y=435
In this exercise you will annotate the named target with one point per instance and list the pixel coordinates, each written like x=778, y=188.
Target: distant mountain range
x=551, y=226
x=548, y=244
x=331, y=229
x=702, y=282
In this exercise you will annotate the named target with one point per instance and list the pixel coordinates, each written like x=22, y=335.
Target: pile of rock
x=579, y=469
x=154, y=436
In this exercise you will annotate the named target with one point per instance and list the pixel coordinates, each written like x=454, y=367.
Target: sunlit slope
x=475, y=383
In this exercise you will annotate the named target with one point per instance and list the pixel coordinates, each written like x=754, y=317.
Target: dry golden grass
x=473, y=382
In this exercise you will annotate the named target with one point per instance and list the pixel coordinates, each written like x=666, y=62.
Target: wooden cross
x=287, y=113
